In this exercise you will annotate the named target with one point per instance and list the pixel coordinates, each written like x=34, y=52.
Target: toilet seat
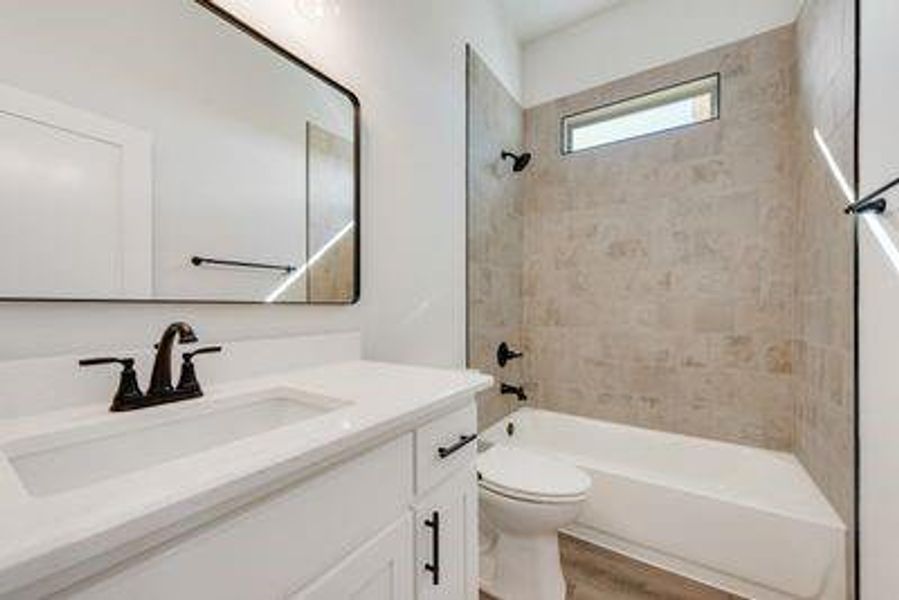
x=524, y=475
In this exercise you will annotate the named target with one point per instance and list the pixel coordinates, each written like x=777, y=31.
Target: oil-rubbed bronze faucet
x=161, y=389
x=129, y=397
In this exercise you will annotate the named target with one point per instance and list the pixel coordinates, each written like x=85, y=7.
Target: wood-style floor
x=596, y=574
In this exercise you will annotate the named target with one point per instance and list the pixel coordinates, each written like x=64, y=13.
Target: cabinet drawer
x=441, y=448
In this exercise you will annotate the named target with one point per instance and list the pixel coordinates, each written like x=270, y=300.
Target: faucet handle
x=128, y=396
x=188, y=385
x=188, y=356
x=89, y=362
x=504, y=354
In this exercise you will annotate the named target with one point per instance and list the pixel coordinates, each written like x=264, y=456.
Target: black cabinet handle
x=445, y=451
x=434, y=567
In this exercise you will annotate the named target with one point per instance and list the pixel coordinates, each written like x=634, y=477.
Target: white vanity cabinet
x=446, y=542
x=380, y=570
x=430, y=554
x=395, y=521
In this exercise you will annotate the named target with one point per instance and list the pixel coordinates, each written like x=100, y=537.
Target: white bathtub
x=742, y=519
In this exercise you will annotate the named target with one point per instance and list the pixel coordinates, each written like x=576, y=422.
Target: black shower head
x=520, y=161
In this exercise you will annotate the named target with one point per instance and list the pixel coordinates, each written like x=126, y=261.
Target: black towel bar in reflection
x=872, y=202
x=200, y=260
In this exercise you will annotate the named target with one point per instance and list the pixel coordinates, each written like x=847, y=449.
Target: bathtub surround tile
x=698, y=281
x=824, y=287
x=495, y=233
x=659, y=273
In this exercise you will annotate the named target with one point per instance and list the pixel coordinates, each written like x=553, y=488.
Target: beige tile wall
x=698, y=281
x=495, y=232
x=824, y=366
x=659, y=273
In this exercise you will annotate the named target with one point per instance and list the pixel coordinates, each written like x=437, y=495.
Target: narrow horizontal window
x=662, y=110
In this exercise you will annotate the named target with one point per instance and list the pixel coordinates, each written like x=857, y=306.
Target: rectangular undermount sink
x=62, y=461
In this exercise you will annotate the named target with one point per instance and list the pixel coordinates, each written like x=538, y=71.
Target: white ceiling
x=531, y=19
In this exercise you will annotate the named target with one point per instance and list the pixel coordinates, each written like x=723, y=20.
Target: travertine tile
x=657, y=271
x=495, y=234
x=824, y=287
x=698, y=281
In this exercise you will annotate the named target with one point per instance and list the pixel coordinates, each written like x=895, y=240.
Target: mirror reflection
x=151, y=150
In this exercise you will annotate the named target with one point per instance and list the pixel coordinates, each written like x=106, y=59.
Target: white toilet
x=525, y=497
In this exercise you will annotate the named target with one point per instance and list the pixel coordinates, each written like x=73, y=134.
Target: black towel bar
x=873, y=201
x=200, y=260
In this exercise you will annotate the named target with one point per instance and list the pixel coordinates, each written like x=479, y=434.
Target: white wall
x=406, y=61
x=879, y=406
x=640, y=34
x=879, y=95
x=879, y=297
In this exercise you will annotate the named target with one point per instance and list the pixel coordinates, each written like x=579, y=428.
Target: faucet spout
x=161, y=379
x=517, y=391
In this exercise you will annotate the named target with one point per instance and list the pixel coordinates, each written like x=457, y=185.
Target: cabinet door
x=280, y=543
x=446, y=548
x=380, y=570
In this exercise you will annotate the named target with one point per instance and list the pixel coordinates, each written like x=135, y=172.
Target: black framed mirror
x=166, y=151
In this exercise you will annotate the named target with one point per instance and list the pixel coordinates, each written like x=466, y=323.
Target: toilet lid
x=521, y=473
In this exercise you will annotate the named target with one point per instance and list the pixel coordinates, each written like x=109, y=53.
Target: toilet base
x=523, y=568
x=519, y=539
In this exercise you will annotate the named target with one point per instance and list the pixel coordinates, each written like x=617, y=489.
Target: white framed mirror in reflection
x=163, y=150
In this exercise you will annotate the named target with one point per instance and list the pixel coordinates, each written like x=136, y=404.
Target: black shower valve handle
x=504, y=354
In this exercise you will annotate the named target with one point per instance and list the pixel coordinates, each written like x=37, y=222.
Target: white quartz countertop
x=41, y=536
